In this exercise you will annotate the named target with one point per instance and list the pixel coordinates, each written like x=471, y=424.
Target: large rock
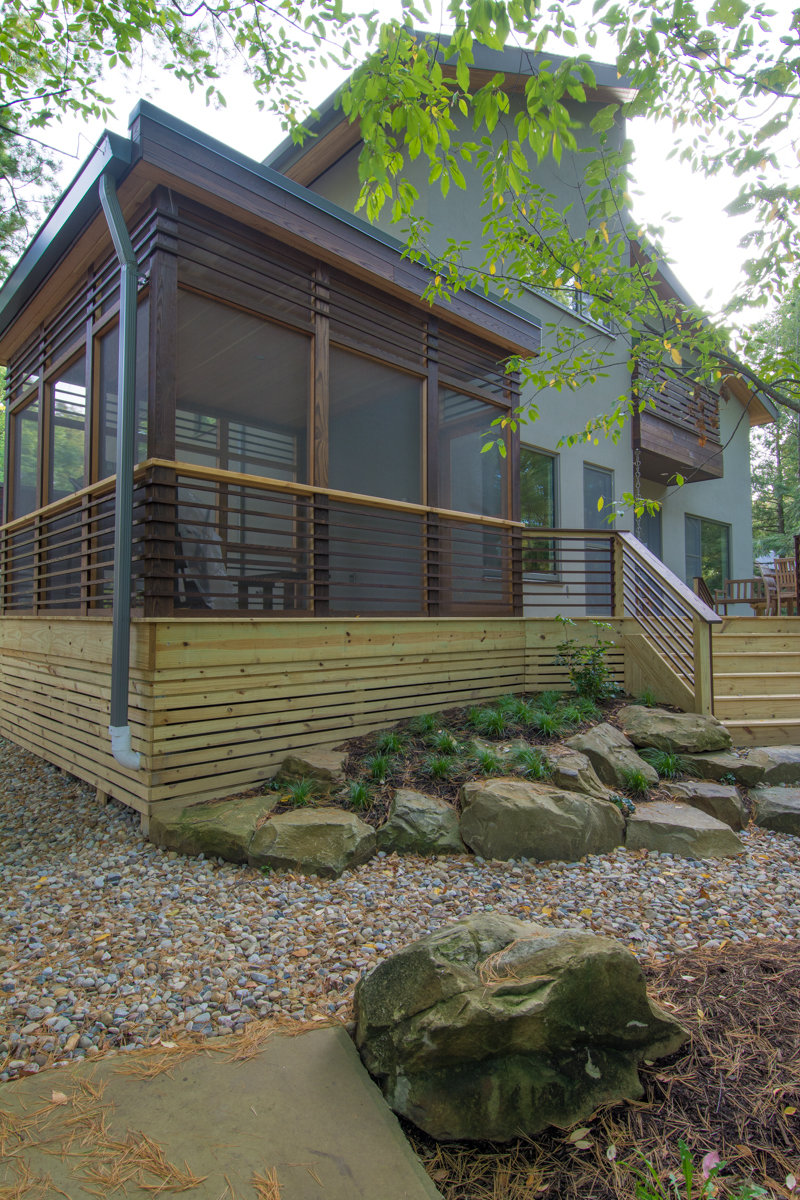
x=516, y=818
x=778, y=809
x=722, y=764
x=420, y=824
x=492, y=1028
x=222, y=829
x=314, y=841
x=680, y=829
x=574, y=772
x=719, y=800
x=612, y=755
x=321, y=766
x=679, y=733
x=779, y=764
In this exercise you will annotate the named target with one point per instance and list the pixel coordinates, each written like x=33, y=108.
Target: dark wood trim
x=319, y=423
x=163, y=332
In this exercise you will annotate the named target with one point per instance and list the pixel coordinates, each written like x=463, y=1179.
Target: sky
x=700, y=239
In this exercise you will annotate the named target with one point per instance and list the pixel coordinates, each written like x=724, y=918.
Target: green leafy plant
x=635, y=781
x=443, y=742
x=423, y=724
x=689, y=1182
x=300, y=792
x=507, y=704
x=532, y=763
x=729, y=779
x=571, y=714
x=587, y=708
x=438, y=766
x=548, y=724
x=667, y=763
x=548, y=701
x=389, y=742
x=494, y=722
x=488, y=761
x=475, y=717
x=647, y=699
x=378, y=766
x=623, y=803
x=358, y=795
x=586, y=663
x=521, y=711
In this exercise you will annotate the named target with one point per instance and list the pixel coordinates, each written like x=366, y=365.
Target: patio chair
x=786, y=585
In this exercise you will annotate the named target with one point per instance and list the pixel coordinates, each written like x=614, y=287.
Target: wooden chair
x=786, y=585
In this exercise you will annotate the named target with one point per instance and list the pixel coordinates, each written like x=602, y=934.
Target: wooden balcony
x=680, y=434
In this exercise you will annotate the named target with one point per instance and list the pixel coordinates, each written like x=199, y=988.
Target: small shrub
x=378, y=766
x=548, y=701
x=443, y=742
x=729, y=779
x=647, y=699
x=475, y=717
x=588, y=669
x=571, y=714
x=389, y=742
x=438, y=766
x=423, y=724
x=300, y=792
x=548, y=724
x=623, y=803
x=532, y=763
x=507, y=704
x=358, y=795
x=494, y=722
x=635, y=781
x=488, y=762
x=521, y=711
x=667, y=763
x=587, y=708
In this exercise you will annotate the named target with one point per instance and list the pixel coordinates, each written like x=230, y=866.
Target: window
x=538, y=472
x=68, y=431
x=707, y=551
x=469, y=480
x=25, y=440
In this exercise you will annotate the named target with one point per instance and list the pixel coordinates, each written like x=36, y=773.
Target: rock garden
x=527, y=912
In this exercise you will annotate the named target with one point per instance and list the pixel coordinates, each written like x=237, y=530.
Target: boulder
x=779, y=764
x=420, y=824
x=573, y=771
x=492, y=1028
x=517, y=818
x=314, y=841
x=322, y=766
x=721, y=764
x=778, y=809
x=680, y=829
x=222, y=829
x=719, y=800
x=611, y=754
x=679, y=733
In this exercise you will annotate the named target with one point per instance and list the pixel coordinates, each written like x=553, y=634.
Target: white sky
x=702, y=245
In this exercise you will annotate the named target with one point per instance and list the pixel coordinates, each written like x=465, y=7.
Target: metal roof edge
x=74, y=207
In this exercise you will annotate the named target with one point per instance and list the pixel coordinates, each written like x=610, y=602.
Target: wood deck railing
x=209, y=542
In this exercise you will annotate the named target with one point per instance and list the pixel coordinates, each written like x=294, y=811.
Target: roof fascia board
x=74, y=209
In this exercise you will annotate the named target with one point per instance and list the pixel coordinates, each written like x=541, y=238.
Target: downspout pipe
x=119, y=728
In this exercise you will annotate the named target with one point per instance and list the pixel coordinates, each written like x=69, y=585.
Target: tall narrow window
x=67, y=468
x=25, y=469
x=537, y=472
x=707, y=551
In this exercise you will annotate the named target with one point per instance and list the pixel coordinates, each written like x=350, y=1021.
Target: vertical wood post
x=703, y=667
x=159, y=535
x=617, y=577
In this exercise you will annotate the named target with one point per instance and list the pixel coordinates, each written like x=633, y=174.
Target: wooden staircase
x=757, y=679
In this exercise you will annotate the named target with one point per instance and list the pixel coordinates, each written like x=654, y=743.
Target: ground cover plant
x=731, y=1096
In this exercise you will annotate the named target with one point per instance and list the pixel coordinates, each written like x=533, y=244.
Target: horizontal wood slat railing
x=208, y=542
x=690, y=406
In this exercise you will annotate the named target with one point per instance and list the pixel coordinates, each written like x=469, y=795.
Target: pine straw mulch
x=734, y=1088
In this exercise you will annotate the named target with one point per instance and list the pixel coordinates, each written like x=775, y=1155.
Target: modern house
x=246, y=509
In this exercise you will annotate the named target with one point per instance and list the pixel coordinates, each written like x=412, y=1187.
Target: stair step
x=762, y=708
x=764, y=733
x=757, y=625
x=756, y=643
x=751, y=683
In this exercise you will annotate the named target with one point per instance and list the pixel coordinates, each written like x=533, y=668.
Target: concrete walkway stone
x=302, y=1107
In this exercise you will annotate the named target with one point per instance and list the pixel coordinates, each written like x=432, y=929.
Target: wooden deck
x=216, y=704
x=757, y=679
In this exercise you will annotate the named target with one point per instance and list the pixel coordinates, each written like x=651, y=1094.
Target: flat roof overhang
x=165, y=151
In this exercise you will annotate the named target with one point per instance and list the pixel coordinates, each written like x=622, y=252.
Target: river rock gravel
x=107, y=942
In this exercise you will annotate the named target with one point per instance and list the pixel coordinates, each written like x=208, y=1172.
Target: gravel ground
x=107, y=942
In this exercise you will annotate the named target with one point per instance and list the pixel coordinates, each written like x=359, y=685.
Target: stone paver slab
x=719, y=800
x=778, y=809
x=680, y=829
x=303, y=1106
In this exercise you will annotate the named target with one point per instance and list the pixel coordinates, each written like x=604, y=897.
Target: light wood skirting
x=216, y=704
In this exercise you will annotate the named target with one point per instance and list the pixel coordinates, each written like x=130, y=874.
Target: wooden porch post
x=703, y=667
